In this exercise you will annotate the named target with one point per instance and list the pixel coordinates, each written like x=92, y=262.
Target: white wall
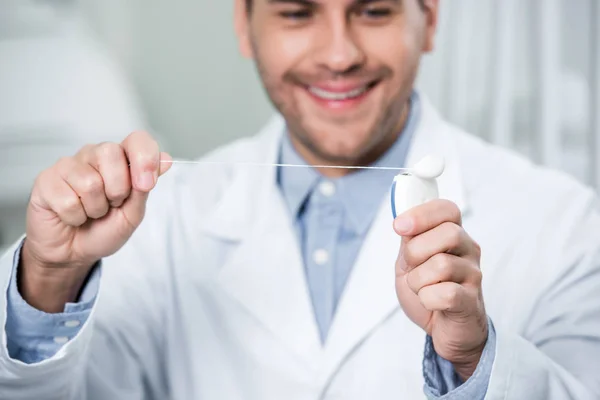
x=59, y=90
x=182, y=55
x=518, y=73
x=199, y=93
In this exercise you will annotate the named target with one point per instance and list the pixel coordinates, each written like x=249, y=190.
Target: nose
x=339, y=51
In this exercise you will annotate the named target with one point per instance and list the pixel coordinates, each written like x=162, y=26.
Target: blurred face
x=340, y=71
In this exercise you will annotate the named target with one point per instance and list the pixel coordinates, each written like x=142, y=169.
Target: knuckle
x=118, y=194
x=477, y=275
x=454, y=234
x=453, y=211
x=451, y=297
x=64, y=163
x=456, y=215
x=85, y=152
x=109, y=150
x=117, y=184
x=92, y=184
x=68, y=205
x=43, y=177
x=88, y=148
x=443, y=265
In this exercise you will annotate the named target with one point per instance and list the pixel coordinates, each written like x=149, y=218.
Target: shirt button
x=327, y=188
x=72, y=324
x=61, y=339
x=321, y=257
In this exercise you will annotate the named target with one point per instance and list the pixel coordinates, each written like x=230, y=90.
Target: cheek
x=397, y=48
x=275, y=57
x=281, y=52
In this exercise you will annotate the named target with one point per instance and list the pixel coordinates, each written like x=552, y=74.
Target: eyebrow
x=309, y=3
x=363, y=2
x=313, y=3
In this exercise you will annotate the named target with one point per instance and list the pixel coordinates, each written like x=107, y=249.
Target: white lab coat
x=209, y=299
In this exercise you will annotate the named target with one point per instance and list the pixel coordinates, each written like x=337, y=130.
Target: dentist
x=139, y=280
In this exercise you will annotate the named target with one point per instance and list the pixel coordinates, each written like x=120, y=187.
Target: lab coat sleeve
x=118, y=353
x=557, y=355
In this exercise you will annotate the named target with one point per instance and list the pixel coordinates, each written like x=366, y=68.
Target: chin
x=340, y=151
x=342, y=144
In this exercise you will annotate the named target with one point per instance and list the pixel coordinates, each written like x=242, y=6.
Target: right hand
x=85, y=208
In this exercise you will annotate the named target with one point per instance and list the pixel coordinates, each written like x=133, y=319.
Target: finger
x=87, y=183
x=445, y=238
x=443, y=268
x=427, y=216
x=134, y=208
x=445, y=296
x=61, y=199
x=110, y=161
x=144, y=160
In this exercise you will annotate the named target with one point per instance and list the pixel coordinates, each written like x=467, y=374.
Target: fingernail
x=403, y=225
x=145, y=181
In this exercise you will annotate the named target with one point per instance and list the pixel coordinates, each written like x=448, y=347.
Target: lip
x=342, y=86
x=340, y=95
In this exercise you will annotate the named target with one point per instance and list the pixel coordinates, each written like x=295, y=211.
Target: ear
x=242, y=28
x=431, y=9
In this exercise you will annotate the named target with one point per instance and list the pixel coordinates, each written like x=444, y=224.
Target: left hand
x=438, y=282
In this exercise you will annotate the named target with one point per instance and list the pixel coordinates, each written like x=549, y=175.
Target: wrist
x=466, y=370
x=467, y=364
x=48, y=287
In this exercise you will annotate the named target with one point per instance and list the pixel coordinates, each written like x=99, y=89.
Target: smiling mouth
x=355, y=93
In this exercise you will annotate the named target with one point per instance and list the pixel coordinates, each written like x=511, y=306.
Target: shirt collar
x=360, y=192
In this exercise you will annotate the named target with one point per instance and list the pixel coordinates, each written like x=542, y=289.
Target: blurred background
x=521, y=73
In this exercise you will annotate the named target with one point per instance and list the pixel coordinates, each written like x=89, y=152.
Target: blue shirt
x=331, y=218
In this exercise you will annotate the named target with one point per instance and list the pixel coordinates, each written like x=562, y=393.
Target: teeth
x=325, y=95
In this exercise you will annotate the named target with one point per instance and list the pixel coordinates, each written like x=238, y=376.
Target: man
x=277, y=283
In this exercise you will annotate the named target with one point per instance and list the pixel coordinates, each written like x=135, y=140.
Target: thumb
x=134, y=208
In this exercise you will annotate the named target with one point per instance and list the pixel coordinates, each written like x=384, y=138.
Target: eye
x=297, y=14
x=375, y=12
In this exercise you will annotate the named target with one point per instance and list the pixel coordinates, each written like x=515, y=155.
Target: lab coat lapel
x=264, y=272
x=370, y=296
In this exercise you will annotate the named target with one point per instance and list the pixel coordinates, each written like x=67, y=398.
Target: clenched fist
x=82, y=209
x=438, y=282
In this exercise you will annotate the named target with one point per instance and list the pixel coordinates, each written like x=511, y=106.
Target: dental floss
x=429, y=167
x=284, y=165
x=410, y=188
